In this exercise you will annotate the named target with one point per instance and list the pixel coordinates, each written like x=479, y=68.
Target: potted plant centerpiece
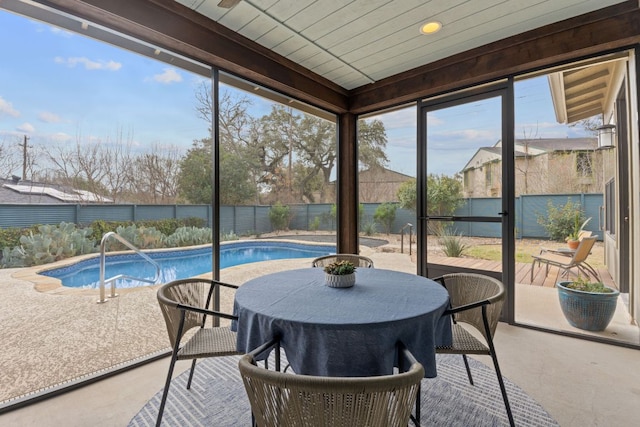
x=340, y=274
x=573, y=239
x=587, y=305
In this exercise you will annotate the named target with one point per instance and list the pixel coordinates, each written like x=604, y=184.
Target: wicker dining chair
x=185, y=304
x=476, y=301
x=279, y=399
x=357, y=260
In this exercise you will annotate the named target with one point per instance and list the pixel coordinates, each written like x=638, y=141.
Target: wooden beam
x=347, y=185
x=172, y=26
x=606, y=29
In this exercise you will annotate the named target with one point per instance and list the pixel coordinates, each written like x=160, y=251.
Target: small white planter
x=340, y=281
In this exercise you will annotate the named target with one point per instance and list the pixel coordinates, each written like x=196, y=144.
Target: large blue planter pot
x=587, y=310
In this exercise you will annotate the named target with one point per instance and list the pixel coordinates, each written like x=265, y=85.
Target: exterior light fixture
x=606, y=136
x=431, y=27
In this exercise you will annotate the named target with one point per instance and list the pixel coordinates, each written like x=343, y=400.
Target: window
x=610, y=207
x=487, y=175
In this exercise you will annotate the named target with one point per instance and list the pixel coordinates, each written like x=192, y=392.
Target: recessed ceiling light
x=431, y=27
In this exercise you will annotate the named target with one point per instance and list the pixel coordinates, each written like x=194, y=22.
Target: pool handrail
x=113, y=279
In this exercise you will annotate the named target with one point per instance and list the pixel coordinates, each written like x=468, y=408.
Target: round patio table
x=344, y=331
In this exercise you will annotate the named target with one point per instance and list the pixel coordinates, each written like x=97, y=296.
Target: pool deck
x=53, y=335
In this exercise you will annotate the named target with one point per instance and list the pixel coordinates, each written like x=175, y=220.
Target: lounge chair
x=578, y=260
x=566, y=250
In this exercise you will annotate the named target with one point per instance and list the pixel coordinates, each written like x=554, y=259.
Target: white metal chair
x=476, y=301
x=185, y=305
x=357, y=260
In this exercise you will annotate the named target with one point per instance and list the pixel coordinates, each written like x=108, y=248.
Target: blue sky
x=455, y=134
x=57, y=87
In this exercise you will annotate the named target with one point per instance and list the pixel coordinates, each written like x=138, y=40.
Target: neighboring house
x=376, y=185
x=574, y=160
x=14, y=191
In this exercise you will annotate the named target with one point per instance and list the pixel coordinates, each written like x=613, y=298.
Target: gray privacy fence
x=244, y=220
x=528, y=209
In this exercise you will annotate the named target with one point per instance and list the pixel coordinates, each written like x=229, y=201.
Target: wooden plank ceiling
x=584, y=91
x=357, y=42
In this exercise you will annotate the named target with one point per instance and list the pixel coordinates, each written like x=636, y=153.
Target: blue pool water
x=180, y=264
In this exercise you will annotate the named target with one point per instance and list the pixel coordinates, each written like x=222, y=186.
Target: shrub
x=51, y=243
x=10, y=237
x=315, y=224
x=140, y=237
x=559, y=222
x=229, y=236
x=280, y=216
x=385, y=214
x=188, y=236
x=101, y=227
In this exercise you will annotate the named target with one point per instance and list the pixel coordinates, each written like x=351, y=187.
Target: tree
x=155, y=175
x=444, y=194
x=372, y=141
x=289, y=155
x=194, y=181
x=315, y=148
x=102, y=167
x=407, y=195
x=195, y=178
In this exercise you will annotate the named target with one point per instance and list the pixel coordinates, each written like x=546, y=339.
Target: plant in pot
x=587, y=305
x=340, y=274
x=573, y=239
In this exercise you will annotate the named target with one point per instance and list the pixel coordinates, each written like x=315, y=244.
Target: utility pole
x=24, y=157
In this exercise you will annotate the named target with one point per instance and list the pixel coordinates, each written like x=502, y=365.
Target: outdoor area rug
x=217, y=398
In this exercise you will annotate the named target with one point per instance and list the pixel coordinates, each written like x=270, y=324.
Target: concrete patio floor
x=580, y=383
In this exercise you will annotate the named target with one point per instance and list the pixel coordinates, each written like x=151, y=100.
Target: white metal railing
x=112, y=280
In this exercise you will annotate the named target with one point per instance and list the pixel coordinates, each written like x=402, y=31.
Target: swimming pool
x=179, y=264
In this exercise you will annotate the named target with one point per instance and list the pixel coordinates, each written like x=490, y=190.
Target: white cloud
x=88, y=64
x=61, y=137
x=26, y=128
x=61, y=32
x=168, y=76
x=7, y=108
x=48, y=117
x=399, y=119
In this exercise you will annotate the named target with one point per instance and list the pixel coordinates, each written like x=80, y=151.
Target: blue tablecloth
x=344, y=331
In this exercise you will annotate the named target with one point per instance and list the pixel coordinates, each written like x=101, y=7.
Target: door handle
x=503, y=213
